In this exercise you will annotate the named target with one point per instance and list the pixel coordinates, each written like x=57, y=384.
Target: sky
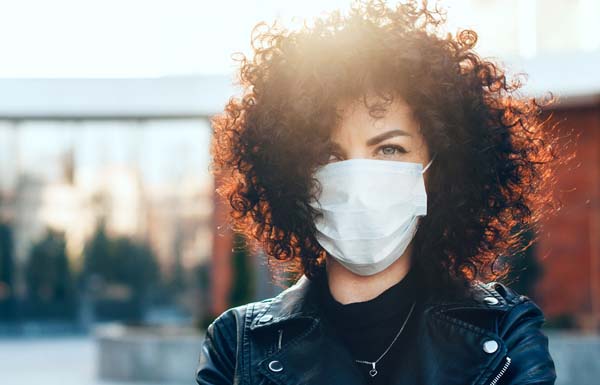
x=131, y=38
x=153, y=38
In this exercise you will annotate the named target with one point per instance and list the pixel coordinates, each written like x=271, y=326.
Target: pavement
x=60, y=360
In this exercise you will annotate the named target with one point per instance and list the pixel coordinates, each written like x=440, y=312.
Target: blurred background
x=114, y=255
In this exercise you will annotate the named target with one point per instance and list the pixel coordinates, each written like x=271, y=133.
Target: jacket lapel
x=314, y=358
x=309, y=354
x=447, y=351
x=447, y=348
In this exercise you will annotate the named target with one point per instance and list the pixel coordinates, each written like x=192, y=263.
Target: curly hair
x=491, y=181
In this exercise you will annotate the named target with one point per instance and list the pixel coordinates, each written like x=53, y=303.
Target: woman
x=393, y=173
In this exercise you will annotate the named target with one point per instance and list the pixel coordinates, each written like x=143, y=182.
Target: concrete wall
x=152, y=356
x=577, y=358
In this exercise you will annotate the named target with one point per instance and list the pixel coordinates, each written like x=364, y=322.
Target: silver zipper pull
x=280, y=331
x=501, y=372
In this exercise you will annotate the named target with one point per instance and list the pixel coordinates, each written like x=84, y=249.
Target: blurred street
x=54, y=361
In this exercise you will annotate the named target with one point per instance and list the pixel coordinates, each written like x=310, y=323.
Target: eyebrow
x=386, y=135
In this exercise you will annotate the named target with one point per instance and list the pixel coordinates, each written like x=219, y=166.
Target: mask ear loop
x=429, y=164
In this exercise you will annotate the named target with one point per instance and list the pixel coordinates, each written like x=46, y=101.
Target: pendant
x=373, y=372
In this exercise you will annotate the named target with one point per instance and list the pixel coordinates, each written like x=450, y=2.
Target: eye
x=391, y=149
x=334, y=157
x=335, y=154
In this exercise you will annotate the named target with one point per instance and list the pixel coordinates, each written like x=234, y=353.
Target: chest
x=435, y=349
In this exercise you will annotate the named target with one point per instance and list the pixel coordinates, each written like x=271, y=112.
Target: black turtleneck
x=367, y=328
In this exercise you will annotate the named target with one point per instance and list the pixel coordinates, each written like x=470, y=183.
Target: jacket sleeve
x=217, y=360
x=527, y=345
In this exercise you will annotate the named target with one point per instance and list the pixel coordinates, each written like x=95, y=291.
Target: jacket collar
x=448, y=350
x=299, y=302
x=295, y=302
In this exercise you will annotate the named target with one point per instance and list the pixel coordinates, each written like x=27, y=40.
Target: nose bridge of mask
x=372, y=189
x=359, y=184
x=363, y=225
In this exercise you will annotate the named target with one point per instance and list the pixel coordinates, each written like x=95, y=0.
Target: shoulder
x=234, y=320
x=494, y=295
x=517, y=310
x=510, y=295
x=219, y=362
x=493, y=306
x=517, y=320
x=513, y=304
x=228, y=325
x=497, y=293
x=491, y=295
x=521, y=329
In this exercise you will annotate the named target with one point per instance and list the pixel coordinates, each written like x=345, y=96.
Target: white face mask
x=370, y=211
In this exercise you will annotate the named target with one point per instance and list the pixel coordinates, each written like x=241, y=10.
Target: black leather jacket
x=492, y=338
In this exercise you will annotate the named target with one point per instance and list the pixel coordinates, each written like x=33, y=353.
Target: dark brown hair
x=491, y=180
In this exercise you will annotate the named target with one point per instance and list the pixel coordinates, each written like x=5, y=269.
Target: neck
x=348, y=287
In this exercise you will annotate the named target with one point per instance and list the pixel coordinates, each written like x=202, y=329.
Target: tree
x=120, y=262
x=243, y=273
x=526, y=270
x=7, y=298
x=134, y=264
x=50, y=289
x=97, y=254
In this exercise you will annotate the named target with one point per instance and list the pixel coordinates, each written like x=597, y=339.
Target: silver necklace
x=373, y=372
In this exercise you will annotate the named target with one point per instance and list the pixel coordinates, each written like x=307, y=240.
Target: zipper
x=280, y=332
x=501, y=372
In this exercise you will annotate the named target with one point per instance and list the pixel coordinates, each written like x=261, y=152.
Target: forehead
x=374, y=114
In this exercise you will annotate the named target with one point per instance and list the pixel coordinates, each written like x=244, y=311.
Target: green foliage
x=7, y=298
x=243, y=273
x=111, y=261
x=562, y=321
x=50, y=288
x=97, y=254
x=121, y=260
x=526, y=270
x=6, y=255
x=47, y=272
x=133, y=264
